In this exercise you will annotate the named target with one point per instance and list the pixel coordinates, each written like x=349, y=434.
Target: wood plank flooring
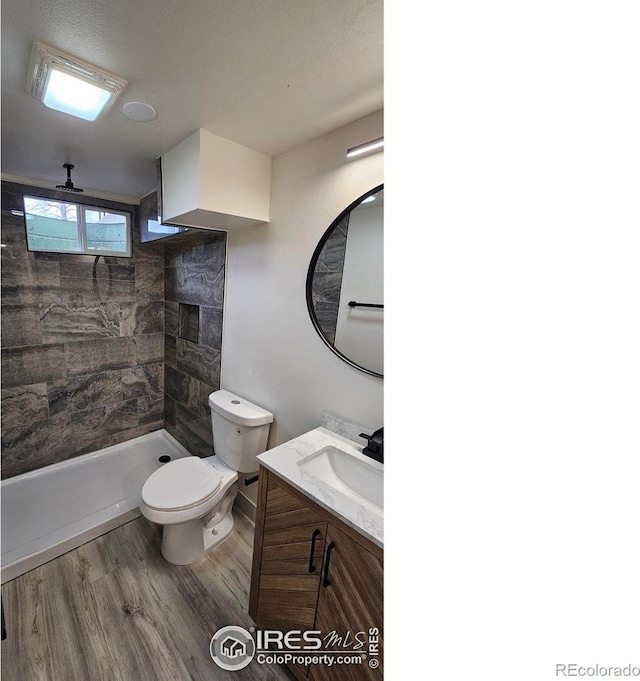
x=115, y=610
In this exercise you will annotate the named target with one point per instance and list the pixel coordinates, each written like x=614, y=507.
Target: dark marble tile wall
x=82, y=345
x=327, y=280
x=194, y=275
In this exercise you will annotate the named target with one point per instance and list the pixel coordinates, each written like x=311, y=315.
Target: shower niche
x=189, y=322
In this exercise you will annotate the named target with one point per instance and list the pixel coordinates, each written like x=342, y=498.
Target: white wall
x=271, y=353
x=360, y=330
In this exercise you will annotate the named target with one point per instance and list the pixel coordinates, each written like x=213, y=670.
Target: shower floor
x=54, y=509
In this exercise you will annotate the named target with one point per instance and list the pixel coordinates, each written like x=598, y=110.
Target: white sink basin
x=347, y=473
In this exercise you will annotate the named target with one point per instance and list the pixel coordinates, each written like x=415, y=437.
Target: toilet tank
x=240, y=430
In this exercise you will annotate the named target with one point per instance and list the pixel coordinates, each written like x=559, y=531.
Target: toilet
x=192, y=497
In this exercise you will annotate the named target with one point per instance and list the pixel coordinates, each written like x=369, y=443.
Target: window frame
x=81, y=209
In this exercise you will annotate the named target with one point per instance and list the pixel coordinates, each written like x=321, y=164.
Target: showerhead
x=68, y=185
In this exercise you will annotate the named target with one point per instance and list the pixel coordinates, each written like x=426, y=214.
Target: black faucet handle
x=376, y=436
x=375, y=443
x=374, y=440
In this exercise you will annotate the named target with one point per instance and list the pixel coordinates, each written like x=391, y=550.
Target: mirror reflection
x=345, y=284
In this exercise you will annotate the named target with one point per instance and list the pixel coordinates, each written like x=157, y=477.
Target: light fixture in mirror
x=345, y=284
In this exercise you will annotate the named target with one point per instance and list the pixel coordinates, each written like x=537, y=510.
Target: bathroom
x=98, y=352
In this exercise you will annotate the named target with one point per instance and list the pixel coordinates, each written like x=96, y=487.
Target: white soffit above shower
x=214, y=183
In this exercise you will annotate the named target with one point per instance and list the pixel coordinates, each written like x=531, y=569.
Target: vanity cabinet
x=293, y=538
x=311, y=571
x=350, y=600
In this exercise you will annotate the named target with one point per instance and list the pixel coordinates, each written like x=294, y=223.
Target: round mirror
x=345, y=284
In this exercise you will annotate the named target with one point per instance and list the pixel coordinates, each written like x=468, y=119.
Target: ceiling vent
x=70, y=85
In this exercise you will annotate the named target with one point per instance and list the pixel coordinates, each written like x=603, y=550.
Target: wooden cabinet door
x=293, y=544
x=350, y=600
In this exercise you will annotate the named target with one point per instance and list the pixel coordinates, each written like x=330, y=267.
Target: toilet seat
x=181, y=484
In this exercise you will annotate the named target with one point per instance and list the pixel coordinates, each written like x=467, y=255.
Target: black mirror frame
x=311, y=271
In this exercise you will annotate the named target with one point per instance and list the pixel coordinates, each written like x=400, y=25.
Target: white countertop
x=283, y=461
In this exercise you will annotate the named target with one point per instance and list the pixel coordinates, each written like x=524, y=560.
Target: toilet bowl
x=192, y=497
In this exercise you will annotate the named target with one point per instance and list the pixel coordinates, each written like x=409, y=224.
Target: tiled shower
x=94, y=353
x=194, y=290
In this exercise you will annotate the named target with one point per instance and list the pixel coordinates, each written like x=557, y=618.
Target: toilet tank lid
x=238, y=410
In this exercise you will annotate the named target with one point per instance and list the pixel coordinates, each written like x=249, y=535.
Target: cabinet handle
x=312, y=567
x=326, y=581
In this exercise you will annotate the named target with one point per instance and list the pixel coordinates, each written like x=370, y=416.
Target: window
x=65, y=227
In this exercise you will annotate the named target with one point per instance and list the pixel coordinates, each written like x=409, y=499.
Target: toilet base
x=189, y=542
x=185, y=543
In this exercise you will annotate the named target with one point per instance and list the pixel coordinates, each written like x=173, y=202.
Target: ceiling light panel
x=71, y=85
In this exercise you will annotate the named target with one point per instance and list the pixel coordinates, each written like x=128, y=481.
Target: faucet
x=375, y=445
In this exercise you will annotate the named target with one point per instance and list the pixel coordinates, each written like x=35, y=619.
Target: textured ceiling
x=268, y=74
